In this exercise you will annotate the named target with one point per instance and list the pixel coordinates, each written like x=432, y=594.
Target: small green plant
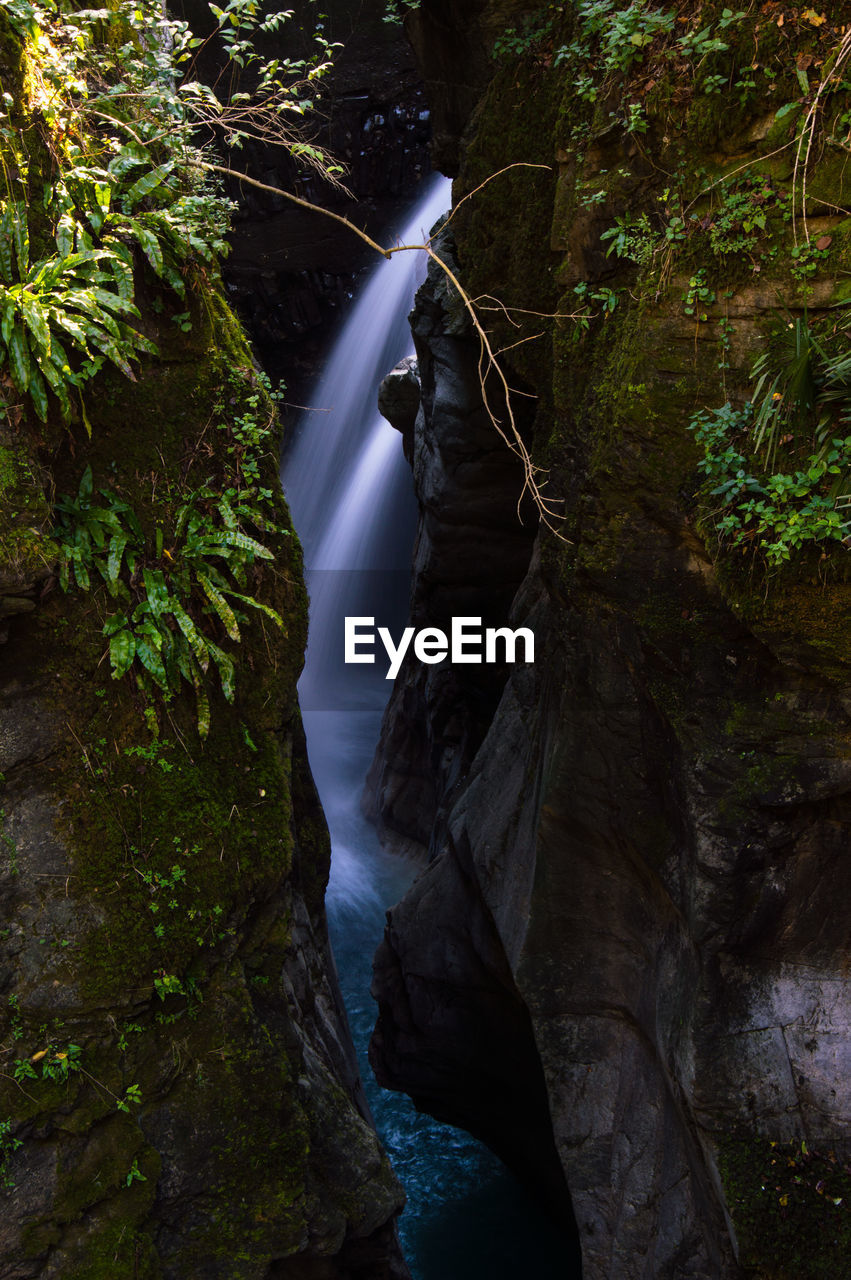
x=168, y=984
x=518, y=42
x=632, y=237
x=16, y=1022
x=636, y=121
x=773, y=515
x=173, y=591
x=9, y=1144
x=59, y=1064
x=698, y=296
x=746, y=206
x=395, y=10
x=809, y=257
x=132, y=1097
x=801, y=410
x=7, y=841
x=135, y=1175
x=601, y=295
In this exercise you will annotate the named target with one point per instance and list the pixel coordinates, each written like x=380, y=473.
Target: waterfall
x=350, y=494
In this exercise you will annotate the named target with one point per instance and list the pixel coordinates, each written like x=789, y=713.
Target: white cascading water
x=350, y=494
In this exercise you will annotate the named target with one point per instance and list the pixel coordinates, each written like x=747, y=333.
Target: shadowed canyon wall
x=637, y=846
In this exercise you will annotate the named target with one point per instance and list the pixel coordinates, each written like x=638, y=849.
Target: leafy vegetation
x=121, y=114
x=9, y=1144
x=801, y=409
x=173, y=593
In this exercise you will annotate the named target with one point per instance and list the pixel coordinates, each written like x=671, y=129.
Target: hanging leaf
x=153, y=663
x=264, y=608
x=226, y=670
x=159, y=597
x=196, y=641
x=232, y=538
x=203, y=708
x=117, y=543
x=122, y=651
x=6, y=265
x=221, y=606
x=20, y=236
x=19, y=358
x=150, y=246
x=35, y=321
x=66, y=229
x=38, y=392
x=55, y=378
x=146, y=184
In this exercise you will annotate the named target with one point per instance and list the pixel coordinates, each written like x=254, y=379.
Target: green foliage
x=122, y=121
x=8, y=1146
x=631, y=237
x=746, y=206
x=177, y=594
x=395, y=10
x=604, y=297
x=774, y=515
x=801, y=409
x=698, y=296
x=611, y=39
x=56, y=1064
x=799, y=384
x=168, y=597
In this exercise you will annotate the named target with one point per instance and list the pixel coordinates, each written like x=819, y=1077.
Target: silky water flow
x=350, y=494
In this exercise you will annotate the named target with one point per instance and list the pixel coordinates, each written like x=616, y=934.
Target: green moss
x=791, y=1208
x=27, y=552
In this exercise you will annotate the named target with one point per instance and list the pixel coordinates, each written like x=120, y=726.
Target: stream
x=350, y=493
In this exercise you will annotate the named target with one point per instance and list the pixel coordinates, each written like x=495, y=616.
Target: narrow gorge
x=620, y=955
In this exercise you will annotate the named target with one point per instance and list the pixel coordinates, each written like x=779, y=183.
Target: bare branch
x=533, y=475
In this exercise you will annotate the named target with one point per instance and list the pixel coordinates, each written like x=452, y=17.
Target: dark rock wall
x=243, y=1148
x=646, y=850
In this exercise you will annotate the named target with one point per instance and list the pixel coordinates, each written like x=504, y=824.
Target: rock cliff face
x=178, y=1091
x=637, y=846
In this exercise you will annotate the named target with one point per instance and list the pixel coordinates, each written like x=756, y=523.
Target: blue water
x=467, y=1217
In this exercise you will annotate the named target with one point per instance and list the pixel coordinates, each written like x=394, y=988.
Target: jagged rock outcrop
x=470, y=556
x=645, y=852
